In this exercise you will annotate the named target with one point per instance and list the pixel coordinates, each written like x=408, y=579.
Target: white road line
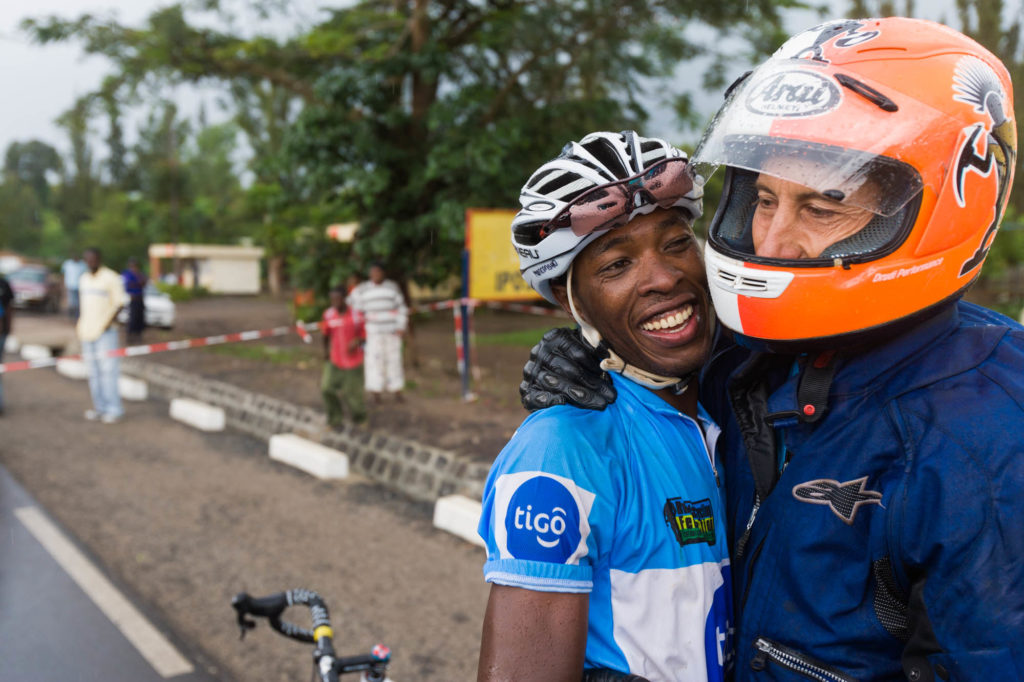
x=153, y=646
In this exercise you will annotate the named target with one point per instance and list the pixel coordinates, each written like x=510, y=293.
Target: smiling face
x=643, y=287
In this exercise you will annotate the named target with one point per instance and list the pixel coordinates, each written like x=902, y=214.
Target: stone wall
x=420, y=471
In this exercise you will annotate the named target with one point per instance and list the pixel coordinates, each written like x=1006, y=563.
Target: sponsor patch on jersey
x=691, y=522
x=541, y=517
x=795, y=93
x=844, y=499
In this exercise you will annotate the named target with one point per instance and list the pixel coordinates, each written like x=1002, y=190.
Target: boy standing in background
x=342, y=382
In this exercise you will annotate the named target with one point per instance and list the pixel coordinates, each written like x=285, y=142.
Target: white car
x=160, y=309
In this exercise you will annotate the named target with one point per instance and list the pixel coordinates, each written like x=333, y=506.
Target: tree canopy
x=398, y=114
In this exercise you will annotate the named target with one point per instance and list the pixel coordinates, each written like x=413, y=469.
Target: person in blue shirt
x=605, y=531
x=872, y=421
x=135, y=286
x=6, y=315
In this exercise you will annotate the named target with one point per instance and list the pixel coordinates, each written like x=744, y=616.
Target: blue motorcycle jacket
x=876, y=504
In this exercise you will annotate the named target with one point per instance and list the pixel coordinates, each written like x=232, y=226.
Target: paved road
x=184, y=520
x=50, y=626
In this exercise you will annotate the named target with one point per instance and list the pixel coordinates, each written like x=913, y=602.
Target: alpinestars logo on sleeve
x=842, y=498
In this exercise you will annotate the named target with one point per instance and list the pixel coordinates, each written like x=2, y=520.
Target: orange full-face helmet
x=905, y=118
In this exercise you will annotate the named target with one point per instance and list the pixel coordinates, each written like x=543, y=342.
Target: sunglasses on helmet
x=613, y=205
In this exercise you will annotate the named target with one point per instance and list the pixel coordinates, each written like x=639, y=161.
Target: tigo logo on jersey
x=719, y=632
x=541, y=517
x=542, y=521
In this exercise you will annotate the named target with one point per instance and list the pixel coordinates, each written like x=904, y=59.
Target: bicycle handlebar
x=271, y=607
x=327, y=664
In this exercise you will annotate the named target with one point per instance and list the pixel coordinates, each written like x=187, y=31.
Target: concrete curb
x=459, y=516
x=198, y=414
x=422, y=472
x=132, y=389
x=73, y=369
x=33, y=351
x=313, y=458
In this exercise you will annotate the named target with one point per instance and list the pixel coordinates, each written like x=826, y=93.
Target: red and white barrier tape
x=495, y=305
x=148, y=349
x=301, y=328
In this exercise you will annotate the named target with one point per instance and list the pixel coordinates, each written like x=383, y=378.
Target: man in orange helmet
x=873, y=422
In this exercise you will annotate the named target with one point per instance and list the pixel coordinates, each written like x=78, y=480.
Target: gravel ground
x=186, y=519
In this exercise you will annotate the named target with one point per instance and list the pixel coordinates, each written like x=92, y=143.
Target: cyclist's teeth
x=669, y=321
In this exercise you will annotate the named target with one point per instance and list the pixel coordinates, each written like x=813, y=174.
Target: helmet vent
x=603, y=151
x=740, y=283
x=563, y=186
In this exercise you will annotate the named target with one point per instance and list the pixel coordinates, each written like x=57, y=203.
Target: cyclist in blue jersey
x=606, y=545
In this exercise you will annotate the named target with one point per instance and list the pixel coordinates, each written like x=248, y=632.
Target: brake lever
x=244, y=624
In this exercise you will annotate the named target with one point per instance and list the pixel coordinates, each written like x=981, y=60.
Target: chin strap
x=614, y=363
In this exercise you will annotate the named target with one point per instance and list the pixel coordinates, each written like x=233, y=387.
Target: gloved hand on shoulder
x=564, y=370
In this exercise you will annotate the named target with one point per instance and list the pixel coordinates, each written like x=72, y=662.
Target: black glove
x=564, y=369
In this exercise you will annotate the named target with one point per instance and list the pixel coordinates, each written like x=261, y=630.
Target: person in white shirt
x=73, y=268
x=101, y=296
x=381, y=303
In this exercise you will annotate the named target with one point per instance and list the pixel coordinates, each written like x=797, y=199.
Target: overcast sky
x=40, y=83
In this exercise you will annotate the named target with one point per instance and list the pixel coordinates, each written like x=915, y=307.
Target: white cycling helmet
x=597, y=184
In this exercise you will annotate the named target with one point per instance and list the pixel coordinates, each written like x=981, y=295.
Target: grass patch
x=524, y=337
x=263, y=352
x=179, y=293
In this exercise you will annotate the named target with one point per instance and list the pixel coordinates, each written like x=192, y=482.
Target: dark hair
x=95, y=250
x=339, y=289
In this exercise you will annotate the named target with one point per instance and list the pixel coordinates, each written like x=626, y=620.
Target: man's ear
x=561, y=296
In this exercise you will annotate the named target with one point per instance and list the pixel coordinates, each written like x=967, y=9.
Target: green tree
x=431, y=107
x=215, y=212
x=123, y=224
x=21, y=220
x=163, y=179
x=32, y=162
x=117, y=165
x=860, y=9
x=403, y=113
x=79, y=181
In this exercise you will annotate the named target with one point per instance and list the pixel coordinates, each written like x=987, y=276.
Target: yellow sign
x=493, y=263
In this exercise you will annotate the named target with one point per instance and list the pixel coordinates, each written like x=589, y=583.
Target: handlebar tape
x=271, y=607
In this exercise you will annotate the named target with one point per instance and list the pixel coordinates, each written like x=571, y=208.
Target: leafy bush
x=179, y=293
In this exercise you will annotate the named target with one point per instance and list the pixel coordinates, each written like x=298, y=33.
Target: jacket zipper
x=768, y=650
x=707, y=450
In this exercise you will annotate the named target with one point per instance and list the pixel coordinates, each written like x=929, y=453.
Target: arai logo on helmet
x=793, y=94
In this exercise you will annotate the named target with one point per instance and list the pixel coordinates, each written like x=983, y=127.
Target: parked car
x=34, y=287
x=160, y=309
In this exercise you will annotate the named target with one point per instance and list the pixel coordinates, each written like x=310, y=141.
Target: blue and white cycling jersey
x=623, y=504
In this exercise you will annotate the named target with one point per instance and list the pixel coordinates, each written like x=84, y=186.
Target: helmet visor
x=854, y=178
x=789, y=121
